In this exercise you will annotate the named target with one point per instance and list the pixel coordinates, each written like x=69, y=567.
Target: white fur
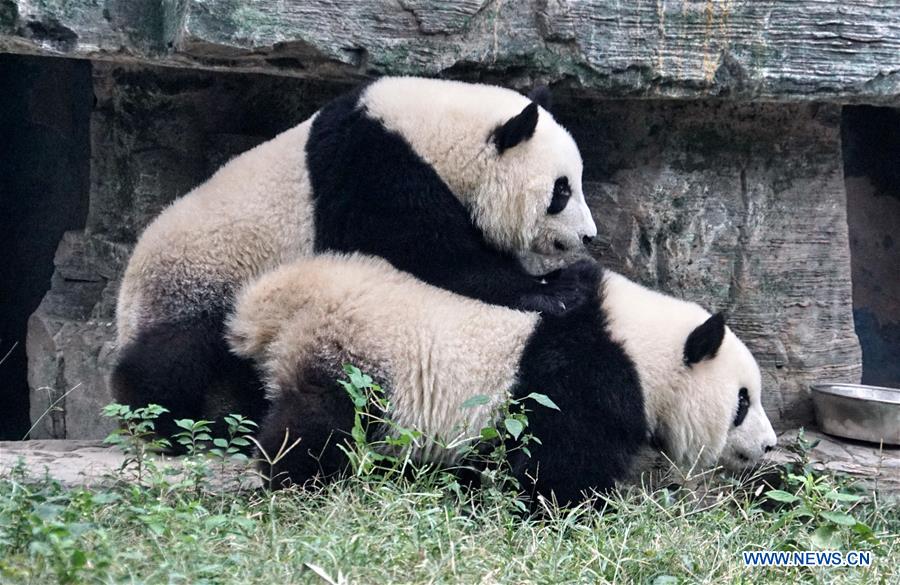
x=436, y=349
x=251, y=215
x=449, y=125
x=693, y=407
x=431, y=345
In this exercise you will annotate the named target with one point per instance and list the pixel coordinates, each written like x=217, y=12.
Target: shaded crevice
x=44, y=176
x=871, y=152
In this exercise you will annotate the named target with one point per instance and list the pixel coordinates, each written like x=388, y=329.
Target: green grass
x=394, y=522
x=377, y=530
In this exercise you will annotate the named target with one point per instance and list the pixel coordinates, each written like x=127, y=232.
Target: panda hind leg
x=321, y=417
x=186, y=368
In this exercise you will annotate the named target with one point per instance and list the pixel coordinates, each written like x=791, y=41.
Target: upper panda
x=630, y=365
x=460, y=184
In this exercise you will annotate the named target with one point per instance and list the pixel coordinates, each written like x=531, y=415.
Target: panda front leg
x=318, y=418
x=500, y=280
x=564, y=289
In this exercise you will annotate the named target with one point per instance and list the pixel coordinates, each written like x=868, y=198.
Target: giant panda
x=463, y=185
x=630, y=368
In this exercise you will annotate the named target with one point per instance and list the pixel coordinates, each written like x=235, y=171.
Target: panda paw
x=564, y=289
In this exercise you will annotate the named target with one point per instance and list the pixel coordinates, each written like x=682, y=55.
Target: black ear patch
x=517, y=129
x=541, y=96
x=704, y=341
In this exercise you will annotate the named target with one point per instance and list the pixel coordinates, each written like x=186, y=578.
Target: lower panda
x=630, y=366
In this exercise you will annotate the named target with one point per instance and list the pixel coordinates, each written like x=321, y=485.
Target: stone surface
x=70, y=462
x=877, y=468
x=740, y=207
x=156, y=133
x=93, y=463
x=71, y=340
x=780, y=49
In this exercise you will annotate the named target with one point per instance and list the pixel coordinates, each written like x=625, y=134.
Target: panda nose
x=587, y=239
x=768, y=448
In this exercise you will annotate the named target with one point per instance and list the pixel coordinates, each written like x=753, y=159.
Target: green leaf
x=842, y=497
x=240, y=442
x=863, y=530
x=103, y=498
x=826, y=537
x=543, y=400
x=477, y=400
x=79, y=559
x=781, y=496
x=185, y=423
x=488, y=433
x=839, y=518
x=39, y=548
x=513, y=427
x=115, y=410
x=220, y=442
x=358, y=434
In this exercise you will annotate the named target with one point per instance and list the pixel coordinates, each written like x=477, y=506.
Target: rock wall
x=740, y=206
x=749, y=49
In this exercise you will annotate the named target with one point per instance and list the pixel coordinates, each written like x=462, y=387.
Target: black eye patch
x=743, y=406
x=561, y=194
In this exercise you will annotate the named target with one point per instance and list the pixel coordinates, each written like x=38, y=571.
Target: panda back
x=431, y=349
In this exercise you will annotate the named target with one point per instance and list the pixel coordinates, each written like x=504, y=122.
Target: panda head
x=536, y=168
x=503, y=156
x=720, y=418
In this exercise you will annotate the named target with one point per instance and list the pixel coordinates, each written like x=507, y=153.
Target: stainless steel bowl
x=868, y=413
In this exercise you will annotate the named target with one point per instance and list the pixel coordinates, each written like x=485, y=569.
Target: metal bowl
x=868, y=413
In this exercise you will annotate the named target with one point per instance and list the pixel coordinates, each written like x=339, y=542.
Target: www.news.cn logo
x=807, y=558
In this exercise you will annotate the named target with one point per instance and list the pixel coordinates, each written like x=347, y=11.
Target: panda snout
x=768, y=448
x=587, y=239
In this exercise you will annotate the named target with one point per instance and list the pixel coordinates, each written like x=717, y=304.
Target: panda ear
x=517, y=129
x=704, y=341
x=541, y=96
